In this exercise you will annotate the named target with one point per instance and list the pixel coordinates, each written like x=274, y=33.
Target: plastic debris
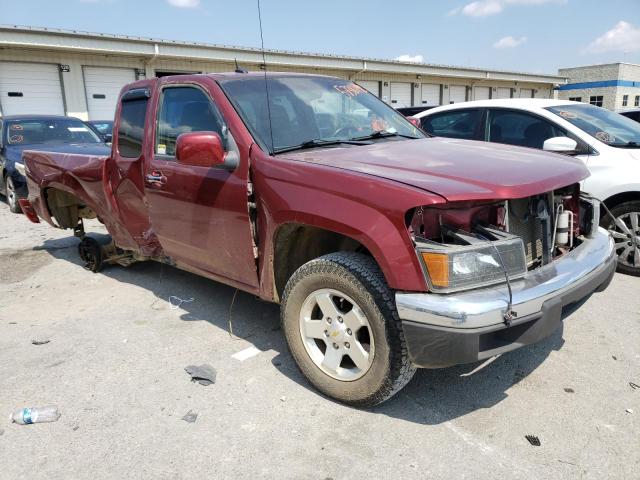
x=27, y=416
x=176, y=302
x=203, y=374
x=629, y=410
x=533, y=440
x=190, y=416
x=40, y=341
x=283, y=399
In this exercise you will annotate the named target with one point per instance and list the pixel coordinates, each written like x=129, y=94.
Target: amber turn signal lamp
x=438, y=268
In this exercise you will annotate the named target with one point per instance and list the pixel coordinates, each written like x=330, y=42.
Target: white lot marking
x=243, y=355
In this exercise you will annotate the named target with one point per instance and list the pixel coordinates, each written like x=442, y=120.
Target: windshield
x=608, y=127
x=49, y=131
x=309, y=109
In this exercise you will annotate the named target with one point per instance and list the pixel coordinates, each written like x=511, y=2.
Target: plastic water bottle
x=25, y=416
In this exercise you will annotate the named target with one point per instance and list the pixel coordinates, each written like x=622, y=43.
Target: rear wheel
x=625, y=230
x=11, y=195
x=343, y=330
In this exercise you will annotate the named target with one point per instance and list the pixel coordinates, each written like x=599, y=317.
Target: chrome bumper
x=571, y=276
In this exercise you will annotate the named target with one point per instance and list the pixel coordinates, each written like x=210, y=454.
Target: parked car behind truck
x=386, y=250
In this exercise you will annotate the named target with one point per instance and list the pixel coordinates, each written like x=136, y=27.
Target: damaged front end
x=476, y=244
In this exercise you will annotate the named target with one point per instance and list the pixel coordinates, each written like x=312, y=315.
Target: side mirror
x=200, y=149
x=560, y=145
x=107, y=137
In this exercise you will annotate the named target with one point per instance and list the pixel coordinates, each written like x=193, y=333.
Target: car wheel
x=343, y=331
x=625, y=231
x=11, y=195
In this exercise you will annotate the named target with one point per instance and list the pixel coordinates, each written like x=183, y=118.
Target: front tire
x=11, y=195
x=343, y=330
x=625, y=231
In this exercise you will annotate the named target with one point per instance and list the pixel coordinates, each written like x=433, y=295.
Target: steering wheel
x=345, y=131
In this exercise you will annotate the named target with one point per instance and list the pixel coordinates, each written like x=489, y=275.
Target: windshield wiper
x=383, y=134
x=631, y=144
x=321, y=143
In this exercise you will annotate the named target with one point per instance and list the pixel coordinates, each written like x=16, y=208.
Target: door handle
x=155, y=179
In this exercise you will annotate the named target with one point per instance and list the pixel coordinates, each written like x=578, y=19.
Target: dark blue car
x=39, y=132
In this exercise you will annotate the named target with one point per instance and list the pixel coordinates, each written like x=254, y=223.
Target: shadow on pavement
x=432, y=397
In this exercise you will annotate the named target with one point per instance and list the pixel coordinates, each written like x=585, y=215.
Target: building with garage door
x=615, y=86
x=80, y=74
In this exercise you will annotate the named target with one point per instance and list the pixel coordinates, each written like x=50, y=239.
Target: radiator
x=526, y=226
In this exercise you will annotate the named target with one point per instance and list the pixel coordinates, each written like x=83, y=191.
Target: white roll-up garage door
x=30, y=88
x=526, y=93
x=457, y=93
x=103, y=85
x=371, y=85
x=481, y=93
x=430, y=94
x=503, y=93
x=400, y=94
x=543, y=93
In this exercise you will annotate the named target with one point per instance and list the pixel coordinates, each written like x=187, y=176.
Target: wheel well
x=66, y=208
x=619, y=198
x=296, y=244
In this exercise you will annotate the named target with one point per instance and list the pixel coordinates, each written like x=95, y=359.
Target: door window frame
x=216, y=110
x=478, y=135
x=583, y=147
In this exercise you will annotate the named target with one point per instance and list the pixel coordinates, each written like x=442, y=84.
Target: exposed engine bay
x=473, y=244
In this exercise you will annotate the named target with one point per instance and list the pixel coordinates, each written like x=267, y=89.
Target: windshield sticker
x=16, y=126
x=77, y=129
x=565, y=114
x=162, y=149
x=350, y=90
x=605, y=137
x=16, y=139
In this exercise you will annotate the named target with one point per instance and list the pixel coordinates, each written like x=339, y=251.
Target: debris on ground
x=27, y=416
x=40, y=341
x=203, y=374
x=283, y=399
x=629, y=410
x=614, y=357
x=533, y=440
x=569, y=390
x=176, y=302
x=635, y=386
x=190, y=416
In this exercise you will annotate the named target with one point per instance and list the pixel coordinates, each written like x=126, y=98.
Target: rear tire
x=626, y=233
x=11, y=195
x=363, y=365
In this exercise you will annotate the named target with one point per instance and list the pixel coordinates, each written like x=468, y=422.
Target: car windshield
x=104, y=128
x=312, y=111
x=608, y=127
x=49, y=131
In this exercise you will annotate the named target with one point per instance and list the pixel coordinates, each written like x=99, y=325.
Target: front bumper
x=444, y=330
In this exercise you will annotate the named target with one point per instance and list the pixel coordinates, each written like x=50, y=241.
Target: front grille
x=526, y=226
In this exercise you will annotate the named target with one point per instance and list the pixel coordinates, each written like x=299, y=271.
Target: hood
x=455, y=169
x=13, y=153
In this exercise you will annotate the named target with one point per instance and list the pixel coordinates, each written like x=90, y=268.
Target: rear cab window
x=133, y=115
x=464, y=124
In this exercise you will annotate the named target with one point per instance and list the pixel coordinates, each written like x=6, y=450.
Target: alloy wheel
x=336, y=334
x=626, y=234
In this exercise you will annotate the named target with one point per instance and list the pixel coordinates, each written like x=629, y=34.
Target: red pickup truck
x=386, y=249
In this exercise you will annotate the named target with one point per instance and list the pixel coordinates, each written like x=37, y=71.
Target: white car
x=608, y=143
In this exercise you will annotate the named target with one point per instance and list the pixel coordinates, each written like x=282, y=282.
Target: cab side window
x=185, y=109
x=464, y=124
x=131, y=129
x=520, y=128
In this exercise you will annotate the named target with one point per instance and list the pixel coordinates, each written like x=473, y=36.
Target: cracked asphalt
x=114, y=366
